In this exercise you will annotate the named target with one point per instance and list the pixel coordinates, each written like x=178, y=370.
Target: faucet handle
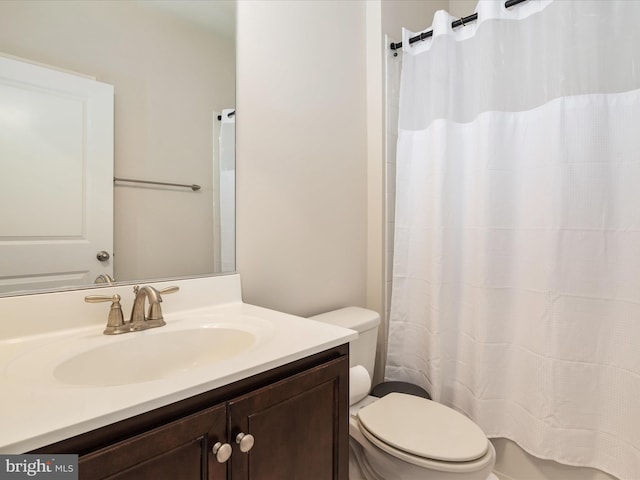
x=172, y=289
x=115, y=321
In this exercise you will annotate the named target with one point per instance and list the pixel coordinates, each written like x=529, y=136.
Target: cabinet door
x=299, y=425
x=180, y=450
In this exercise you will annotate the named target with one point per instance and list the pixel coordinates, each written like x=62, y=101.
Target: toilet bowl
x=402, y=436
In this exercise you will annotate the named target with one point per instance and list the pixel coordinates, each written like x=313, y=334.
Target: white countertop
x=36, y=409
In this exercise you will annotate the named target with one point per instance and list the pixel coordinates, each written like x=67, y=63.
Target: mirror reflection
x=171, y=67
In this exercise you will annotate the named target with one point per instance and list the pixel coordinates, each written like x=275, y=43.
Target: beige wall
x=416, y=15
x=301, y=150
x=462, y=8
x=169, y=77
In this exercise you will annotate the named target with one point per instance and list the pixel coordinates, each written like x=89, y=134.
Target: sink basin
x=151, y=357
x=86, y=358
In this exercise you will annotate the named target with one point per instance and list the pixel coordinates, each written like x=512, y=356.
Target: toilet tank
x=362, y=350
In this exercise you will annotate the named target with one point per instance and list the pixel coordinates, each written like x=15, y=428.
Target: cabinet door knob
x=245, y=441
x=222, y=451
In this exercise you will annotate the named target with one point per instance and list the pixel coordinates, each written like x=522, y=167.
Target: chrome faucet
x=139, y=320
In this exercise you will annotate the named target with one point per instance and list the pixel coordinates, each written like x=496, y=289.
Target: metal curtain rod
x=457, y=23
x=192, y=187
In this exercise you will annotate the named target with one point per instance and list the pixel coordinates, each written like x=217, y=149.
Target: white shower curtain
x=516, y=273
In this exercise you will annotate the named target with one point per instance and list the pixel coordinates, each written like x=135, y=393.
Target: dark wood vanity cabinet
x=297, y=416
x=296, y=426
x=178, y=450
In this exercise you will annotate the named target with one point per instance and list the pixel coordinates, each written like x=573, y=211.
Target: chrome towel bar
x=131, y=180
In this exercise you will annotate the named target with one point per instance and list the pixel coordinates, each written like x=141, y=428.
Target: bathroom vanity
x=296, y=415
x=274, y=409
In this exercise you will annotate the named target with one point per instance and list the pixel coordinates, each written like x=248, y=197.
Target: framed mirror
x=171, y=64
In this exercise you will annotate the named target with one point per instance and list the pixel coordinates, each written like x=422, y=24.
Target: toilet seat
x=433, y=465
x=424, y=433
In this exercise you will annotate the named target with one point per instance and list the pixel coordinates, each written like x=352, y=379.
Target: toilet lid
x=424, y=428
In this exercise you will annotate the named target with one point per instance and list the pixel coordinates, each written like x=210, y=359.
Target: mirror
x=172, y=67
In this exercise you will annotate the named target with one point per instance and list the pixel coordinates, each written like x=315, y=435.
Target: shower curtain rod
x=457, y=23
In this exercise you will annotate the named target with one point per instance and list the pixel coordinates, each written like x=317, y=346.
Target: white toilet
x=401, y=436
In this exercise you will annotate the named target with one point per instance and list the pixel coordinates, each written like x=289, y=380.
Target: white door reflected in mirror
x=56, y=146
